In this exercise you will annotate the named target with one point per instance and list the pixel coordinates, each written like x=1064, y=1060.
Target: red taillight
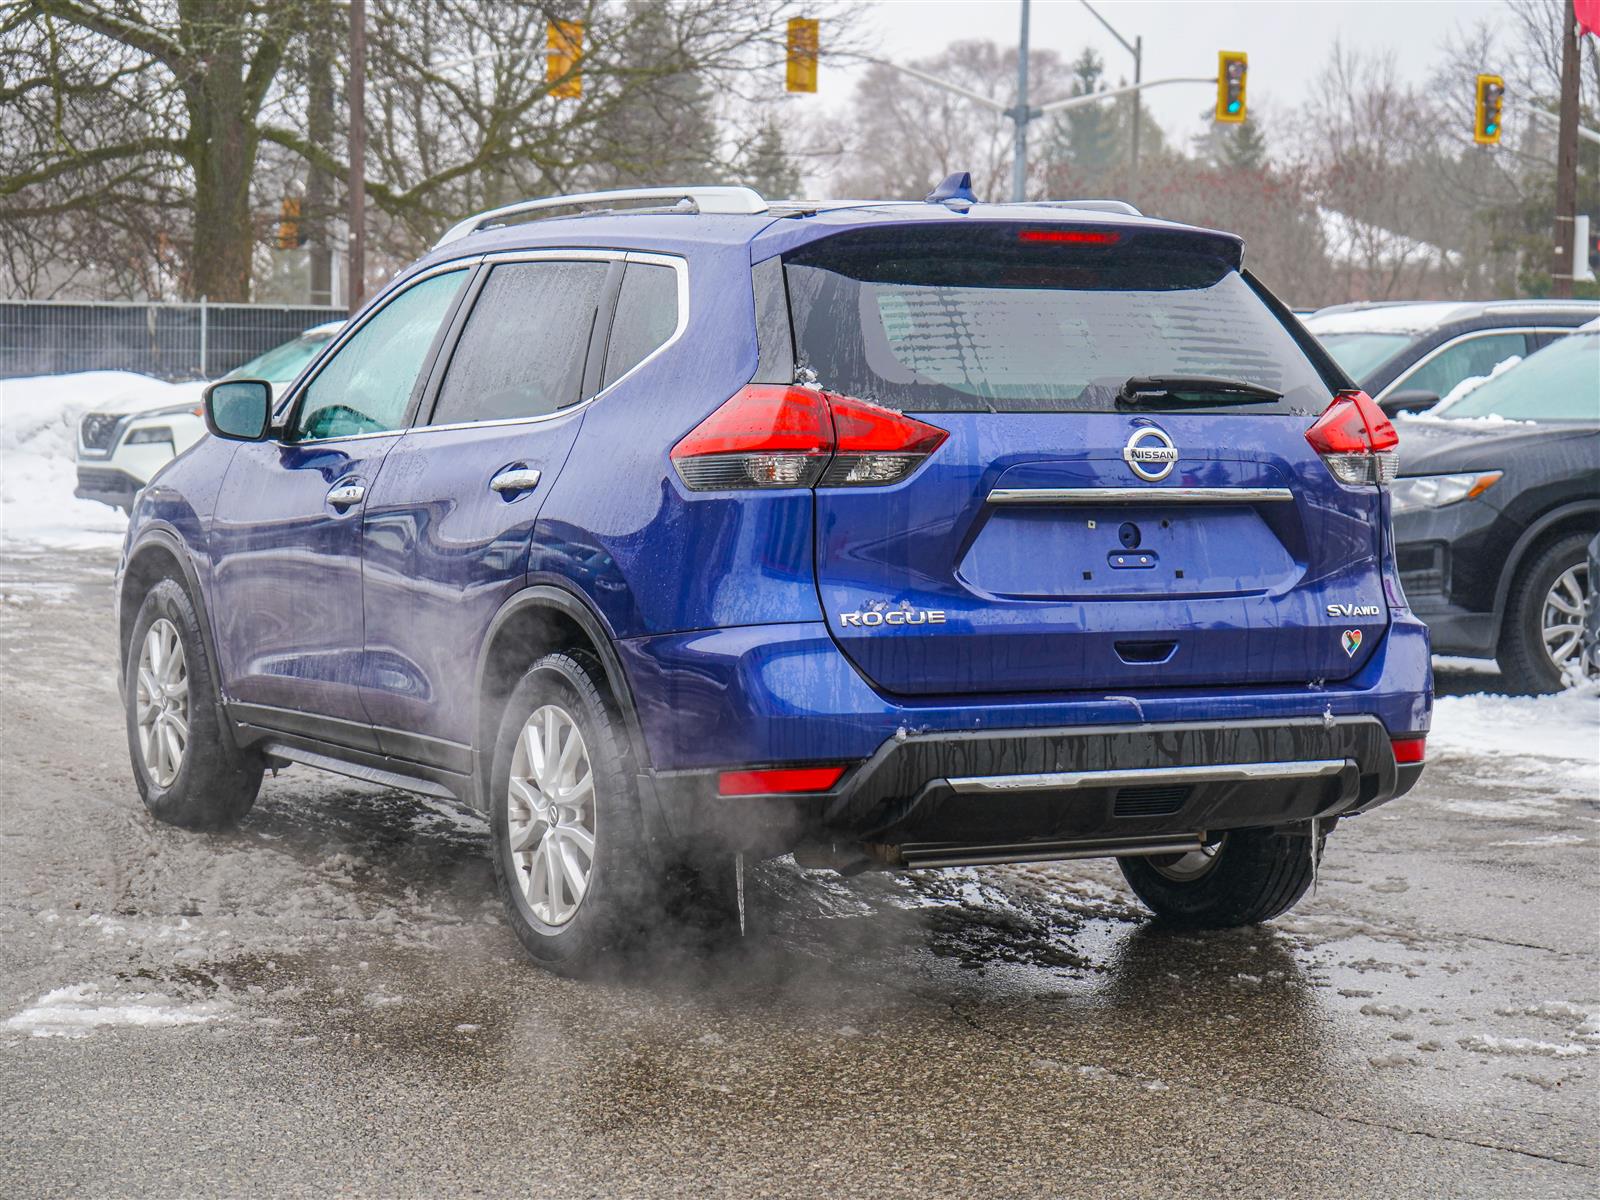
x=1409, y=750
x=773, y=436
x=1077, y=237
x=1356, y=440
x=782, y=781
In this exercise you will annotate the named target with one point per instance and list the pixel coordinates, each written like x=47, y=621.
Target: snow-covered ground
x=38, y=437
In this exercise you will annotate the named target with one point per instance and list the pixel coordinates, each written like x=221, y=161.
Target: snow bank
x=38, y=448
x=77, y=1012
x=1565, y=726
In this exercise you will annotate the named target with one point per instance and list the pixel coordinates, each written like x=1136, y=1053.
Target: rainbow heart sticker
x=1352, y=642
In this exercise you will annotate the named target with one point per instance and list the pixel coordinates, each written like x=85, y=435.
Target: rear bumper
x=758, y=695
x=939, y=796
x=784, y=695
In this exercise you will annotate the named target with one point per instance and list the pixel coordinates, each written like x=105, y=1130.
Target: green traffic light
x=1233, y=106
x=1490, y=128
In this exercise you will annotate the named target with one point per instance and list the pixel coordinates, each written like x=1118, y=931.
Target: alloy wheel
x=550, y=815
x=161, y=698
x=1561, y=621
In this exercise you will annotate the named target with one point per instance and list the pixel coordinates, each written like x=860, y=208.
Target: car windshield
x=281, y=363
x=1559, y=383
x=1362, y=353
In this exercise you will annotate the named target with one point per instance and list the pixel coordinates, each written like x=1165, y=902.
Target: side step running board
x=1144, y=776
x=326, y=762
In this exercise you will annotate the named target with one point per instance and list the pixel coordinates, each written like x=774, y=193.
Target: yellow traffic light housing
x=563, y=49
x=1491, y=94
x=1232, y=66
x=804, y=44
x=289, y=237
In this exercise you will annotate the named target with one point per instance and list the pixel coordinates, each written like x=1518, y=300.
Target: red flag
x=1588, y=12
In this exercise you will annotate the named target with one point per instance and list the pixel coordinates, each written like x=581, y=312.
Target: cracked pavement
x=326, y=1000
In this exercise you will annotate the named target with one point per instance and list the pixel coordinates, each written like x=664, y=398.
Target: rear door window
x=647, y=315
x=524, y=345
x=988, y=319
x=1466, y=359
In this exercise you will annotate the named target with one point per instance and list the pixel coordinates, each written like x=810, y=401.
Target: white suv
x=122, y=444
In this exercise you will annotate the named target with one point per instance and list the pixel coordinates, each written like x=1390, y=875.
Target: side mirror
x=1413, y=400
x=239, y=409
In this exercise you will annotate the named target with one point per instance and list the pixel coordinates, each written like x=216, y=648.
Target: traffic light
x=804, y=43
x=563, y=49
x=1231, y=68
x=289, y=237
x=1486, y=119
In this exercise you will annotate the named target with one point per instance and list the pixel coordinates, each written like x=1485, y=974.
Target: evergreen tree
x=766, y=166
x=1088, y=137
x=1242, y=147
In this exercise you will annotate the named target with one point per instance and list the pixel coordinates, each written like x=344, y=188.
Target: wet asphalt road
x=326, y=1000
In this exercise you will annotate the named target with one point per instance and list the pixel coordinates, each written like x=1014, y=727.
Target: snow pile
x=1566, y=726
x=1562, y=730
x=38, y=448
x=77, y=1011
x=1471, y=382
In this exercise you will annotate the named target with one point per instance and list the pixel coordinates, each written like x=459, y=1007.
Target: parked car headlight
x=1436, y=491
x=150, y=433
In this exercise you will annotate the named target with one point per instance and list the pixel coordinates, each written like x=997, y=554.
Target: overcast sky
x=1287, y=40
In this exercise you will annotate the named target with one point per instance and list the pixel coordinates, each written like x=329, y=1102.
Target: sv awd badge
x=894, y=616
x=1354, y=610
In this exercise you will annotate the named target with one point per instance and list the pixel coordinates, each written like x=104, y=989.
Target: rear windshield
x=985, y=318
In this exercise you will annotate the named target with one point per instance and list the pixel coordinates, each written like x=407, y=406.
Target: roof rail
x=1110, y=206
x=706, y=199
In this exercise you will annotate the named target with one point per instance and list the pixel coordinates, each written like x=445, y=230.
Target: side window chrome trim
x=291, y=399
x=679, y=265
x=1470, y=335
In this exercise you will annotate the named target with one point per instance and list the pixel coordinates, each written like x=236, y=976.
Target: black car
x=1498, y=499
x=1408, y=357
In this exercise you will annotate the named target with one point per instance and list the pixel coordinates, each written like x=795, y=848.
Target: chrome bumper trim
x=1145, y=776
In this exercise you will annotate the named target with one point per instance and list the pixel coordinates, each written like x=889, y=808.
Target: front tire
x=1245, y=877
x=187, y=768
x=569, y=854
x=1541, y=644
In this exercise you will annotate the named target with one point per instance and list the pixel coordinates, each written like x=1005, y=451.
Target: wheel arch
x=536, y=621
x=1578, y=516
x=160, y=553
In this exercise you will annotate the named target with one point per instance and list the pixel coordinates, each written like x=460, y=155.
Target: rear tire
x=1533, y=615
x=570, y=857
x=188, y=770
x=1249, y=876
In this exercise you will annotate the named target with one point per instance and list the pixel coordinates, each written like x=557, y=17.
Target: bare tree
x=174, y=115
x=900, y=136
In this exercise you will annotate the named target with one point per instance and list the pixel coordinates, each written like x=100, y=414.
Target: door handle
x=515, y=479
x=346, y=494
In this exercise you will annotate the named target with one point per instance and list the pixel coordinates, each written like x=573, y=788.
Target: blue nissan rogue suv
x=672, y=526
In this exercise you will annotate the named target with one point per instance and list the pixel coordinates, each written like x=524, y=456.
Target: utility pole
x=1135, y=48
x=358, y=153
x=1566, y=156
x=1021, y=115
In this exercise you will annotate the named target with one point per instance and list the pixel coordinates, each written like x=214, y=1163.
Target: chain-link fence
x=170, y=341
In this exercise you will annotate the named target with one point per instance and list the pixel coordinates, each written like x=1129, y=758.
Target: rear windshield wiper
x=1192, y=389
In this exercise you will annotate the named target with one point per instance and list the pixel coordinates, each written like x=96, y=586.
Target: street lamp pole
x=1135, y=48
x=1021, y=116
